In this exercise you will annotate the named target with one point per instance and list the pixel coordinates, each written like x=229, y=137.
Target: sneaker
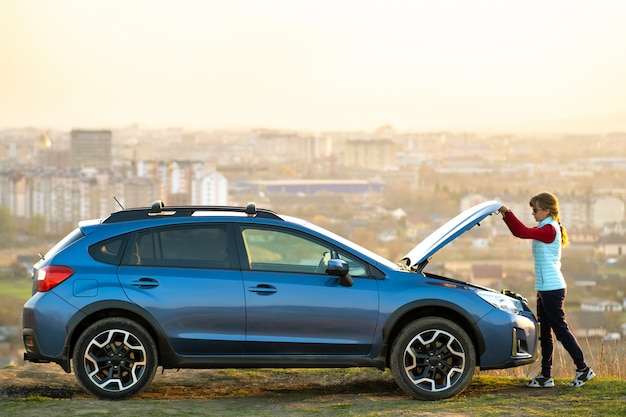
x=540, y=381
x=582, y=377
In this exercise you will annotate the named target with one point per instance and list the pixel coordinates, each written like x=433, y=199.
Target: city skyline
x=484, y=65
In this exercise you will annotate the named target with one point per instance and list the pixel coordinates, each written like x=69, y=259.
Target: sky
x=419, y=65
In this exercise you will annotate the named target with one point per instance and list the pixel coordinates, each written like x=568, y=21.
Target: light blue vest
x=548, y=275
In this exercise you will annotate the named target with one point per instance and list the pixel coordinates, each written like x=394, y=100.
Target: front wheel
x=433, y=358
x=115, y=359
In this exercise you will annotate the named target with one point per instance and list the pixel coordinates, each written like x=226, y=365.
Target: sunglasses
x=535, y=210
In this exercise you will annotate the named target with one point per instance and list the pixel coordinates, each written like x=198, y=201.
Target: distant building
x=611, y=245
x=587, y=323
x=574, y=211
x=606, y=209
x=91, y=149
x=487, y=275
x=312, y=187
x=208, y=187
x=377, y=154
x=606, y=306
x=48, y=155
x=290, y=146
x=15, y=154
x=185, y=182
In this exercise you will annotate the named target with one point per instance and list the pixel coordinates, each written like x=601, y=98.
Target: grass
x=13, y=294
x=487, y=396
x=19, y=288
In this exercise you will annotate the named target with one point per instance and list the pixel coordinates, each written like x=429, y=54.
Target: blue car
x=241, y=287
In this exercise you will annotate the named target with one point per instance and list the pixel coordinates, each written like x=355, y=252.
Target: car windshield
x=344, y=241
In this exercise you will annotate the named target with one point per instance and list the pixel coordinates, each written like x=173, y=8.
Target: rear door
x=293, y=307
x=187, y=278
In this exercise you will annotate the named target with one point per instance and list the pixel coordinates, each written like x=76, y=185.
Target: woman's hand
x=503, y=210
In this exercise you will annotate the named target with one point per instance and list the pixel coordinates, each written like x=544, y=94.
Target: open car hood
x=455, y=227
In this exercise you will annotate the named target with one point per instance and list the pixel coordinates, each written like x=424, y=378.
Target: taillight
x=50, y=276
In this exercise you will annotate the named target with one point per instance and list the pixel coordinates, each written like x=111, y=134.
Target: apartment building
x=375, y=154
x=91, y=148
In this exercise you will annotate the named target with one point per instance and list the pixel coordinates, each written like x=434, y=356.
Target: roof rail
x=158, y=208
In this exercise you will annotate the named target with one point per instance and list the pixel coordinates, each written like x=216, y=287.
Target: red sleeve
x=545, y=234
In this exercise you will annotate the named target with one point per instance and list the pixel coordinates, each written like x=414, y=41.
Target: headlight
x=502, y=302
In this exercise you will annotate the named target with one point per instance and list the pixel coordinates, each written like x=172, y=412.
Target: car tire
x=433, y=358
x=115, y=359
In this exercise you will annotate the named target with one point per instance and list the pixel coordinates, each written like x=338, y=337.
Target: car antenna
x=118, y=202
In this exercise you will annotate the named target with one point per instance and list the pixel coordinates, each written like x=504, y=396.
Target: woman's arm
x=545, y=234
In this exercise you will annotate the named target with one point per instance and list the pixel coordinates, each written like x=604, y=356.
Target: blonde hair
x=548, y=201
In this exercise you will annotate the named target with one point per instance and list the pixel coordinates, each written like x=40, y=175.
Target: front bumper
x=510, y=340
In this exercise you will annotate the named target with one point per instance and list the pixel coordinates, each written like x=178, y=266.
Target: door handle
x=145, y=283
x=263, y=289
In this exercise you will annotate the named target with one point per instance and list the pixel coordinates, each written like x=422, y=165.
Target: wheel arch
x=106, y=309
x=432, y=308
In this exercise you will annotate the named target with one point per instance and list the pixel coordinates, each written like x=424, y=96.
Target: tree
x=37, y=226
x=7, y=227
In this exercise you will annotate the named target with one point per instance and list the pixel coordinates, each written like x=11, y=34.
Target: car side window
x=357, y=268
x=196, y=246
x=109, y=251
x=283, y=251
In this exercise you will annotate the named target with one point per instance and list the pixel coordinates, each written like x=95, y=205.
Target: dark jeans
x=551, y=316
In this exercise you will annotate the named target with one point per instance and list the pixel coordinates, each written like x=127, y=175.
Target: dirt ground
x=50, y=381
x=46, y=391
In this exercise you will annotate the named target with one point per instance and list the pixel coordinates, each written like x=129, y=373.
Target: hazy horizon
x=485, y=65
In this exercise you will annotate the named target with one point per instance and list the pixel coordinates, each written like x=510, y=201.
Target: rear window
x=109, y=251
x=198, y=246
x=72, y=237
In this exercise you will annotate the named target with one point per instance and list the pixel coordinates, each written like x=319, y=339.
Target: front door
x=294, y=308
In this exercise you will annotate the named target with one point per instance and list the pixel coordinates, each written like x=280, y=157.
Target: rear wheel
x=115, y=359
x=433, y=358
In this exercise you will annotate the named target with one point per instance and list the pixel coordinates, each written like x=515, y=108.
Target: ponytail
x=564, y=236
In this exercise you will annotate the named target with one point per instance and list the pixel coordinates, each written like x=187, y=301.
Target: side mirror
x=340, y=268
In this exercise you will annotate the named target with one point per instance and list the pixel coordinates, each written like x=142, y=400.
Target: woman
x=548, y=239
